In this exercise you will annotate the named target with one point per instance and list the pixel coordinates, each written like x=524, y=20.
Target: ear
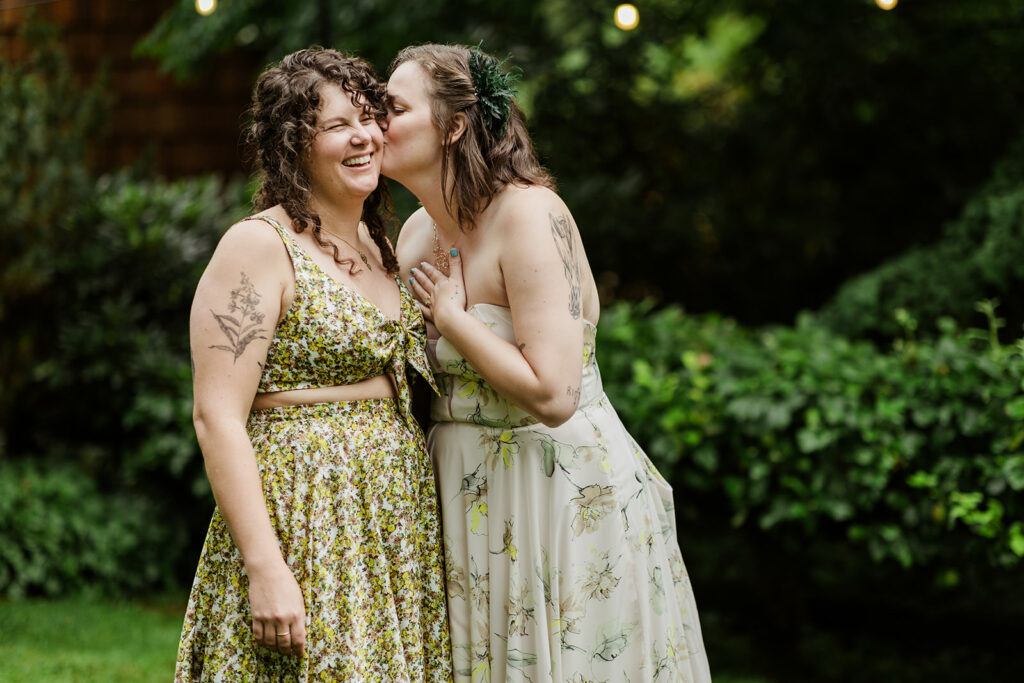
x=458, y=127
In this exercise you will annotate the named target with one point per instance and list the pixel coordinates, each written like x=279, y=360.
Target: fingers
x=298, y=637
x=285, y=636
x=421, y=285
x=428, y=314
x=257, y=631
x=431, y=274
x=265, y=633
x=455, y=265
x=291, y=637
x=283, y=639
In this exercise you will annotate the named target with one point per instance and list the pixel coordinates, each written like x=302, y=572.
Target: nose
x=361, y=134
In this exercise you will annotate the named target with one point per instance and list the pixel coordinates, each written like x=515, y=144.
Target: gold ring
x=428, y=299
x=286, y=633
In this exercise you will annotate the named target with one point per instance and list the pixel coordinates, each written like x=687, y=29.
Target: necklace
x=359, y=251
x=441, y=261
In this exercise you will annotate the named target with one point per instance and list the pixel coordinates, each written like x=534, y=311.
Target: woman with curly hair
x=560, y=547
x=323, y=559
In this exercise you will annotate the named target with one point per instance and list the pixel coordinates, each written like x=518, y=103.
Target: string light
x=626, y=17
x=886, y=4
x=206, y=7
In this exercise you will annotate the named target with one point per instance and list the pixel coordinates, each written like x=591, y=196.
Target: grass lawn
x=86, y=641
x=77, y=640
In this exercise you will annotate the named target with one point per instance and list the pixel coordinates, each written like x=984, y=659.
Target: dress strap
x=294, y=251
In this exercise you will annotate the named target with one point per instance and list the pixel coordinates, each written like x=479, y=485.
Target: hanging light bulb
x=206, y=7
x=626, y=17
x=886, y=4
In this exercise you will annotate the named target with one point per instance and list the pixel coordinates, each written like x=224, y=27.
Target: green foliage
x=97, y=283
x=59, y=533
x=913, y=454
x=749, y=158
x=45, y=123
x=129, y=280
x=110, y=400
x=980, y=255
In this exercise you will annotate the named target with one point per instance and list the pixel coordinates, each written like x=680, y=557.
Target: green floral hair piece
x=493, y=88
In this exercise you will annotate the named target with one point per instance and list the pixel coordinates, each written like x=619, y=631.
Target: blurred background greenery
x=806, y=218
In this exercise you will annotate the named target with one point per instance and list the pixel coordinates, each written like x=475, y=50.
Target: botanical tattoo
x=561, y=231
x=242, y=324
x=573, y=393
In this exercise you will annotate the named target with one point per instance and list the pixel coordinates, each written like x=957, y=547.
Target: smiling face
x=345, y=155
x=413, y=141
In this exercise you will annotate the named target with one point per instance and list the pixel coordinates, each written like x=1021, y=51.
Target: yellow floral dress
x=351, y=494
x=560, y=543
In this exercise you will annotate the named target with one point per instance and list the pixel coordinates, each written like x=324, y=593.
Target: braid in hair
x=377, y=213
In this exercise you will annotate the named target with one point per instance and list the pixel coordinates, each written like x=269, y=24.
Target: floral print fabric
x=333, y=335
x=560, y=546
x=351, y=495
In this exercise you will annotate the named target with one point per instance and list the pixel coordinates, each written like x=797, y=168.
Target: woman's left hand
x=439, y=296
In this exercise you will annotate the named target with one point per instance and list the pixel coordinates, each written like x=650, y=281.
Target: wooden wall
x=192, y=128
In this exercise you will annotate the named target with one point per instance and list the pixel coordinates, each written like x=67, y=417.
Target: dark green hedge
x=913, y=453
x=98, y=461
x=980, y=255
x=99, y=434
x=60, y=534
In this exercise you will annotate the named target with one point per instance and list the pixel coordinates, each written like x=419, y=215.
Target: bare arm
x=235, y=310
x=540, y=265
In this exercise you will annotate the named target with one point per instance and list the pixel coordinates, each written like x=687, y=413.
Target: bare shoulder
x=251, y=237
x=524, y=212
x=415, y=229
x=414, y=240
x=518, y=201
x=254, y=246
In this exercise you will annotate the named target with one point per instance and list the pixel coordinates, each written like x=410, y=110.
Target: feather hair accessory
x=493, y=88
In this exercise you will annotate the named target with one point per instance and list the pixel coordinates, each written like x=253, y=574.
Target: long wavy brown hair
x=479, y=164
x=281, y=125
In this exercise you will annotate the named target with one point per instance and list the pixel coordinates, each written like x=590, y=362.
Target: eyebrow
x=332, y=119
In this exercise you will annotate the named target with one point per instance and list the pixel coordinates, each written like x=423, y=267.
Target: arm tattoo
x=573, y=394
x=242, y=323
x=561, y=231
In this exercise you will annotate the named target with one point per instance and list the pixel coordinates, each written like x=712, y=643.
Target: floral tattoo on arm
x=241, y=324
x=561, y=231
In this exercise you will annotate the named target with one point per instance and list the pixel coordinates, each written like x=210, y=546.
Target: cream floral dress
x=560, y=544
x=351, y=495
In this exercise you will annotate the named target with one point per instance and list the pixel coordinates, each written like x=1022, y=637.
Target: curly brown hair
x=481, y=163
x=281, y=125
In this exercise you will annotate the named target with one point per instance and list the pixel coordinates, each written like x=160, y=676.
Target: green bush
x=110, y=396
x=111, y=389
x=96, y=282
x=117, y=380
x=59, y=533
x=980, y=255
x=912, y=454
x=46, y=123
